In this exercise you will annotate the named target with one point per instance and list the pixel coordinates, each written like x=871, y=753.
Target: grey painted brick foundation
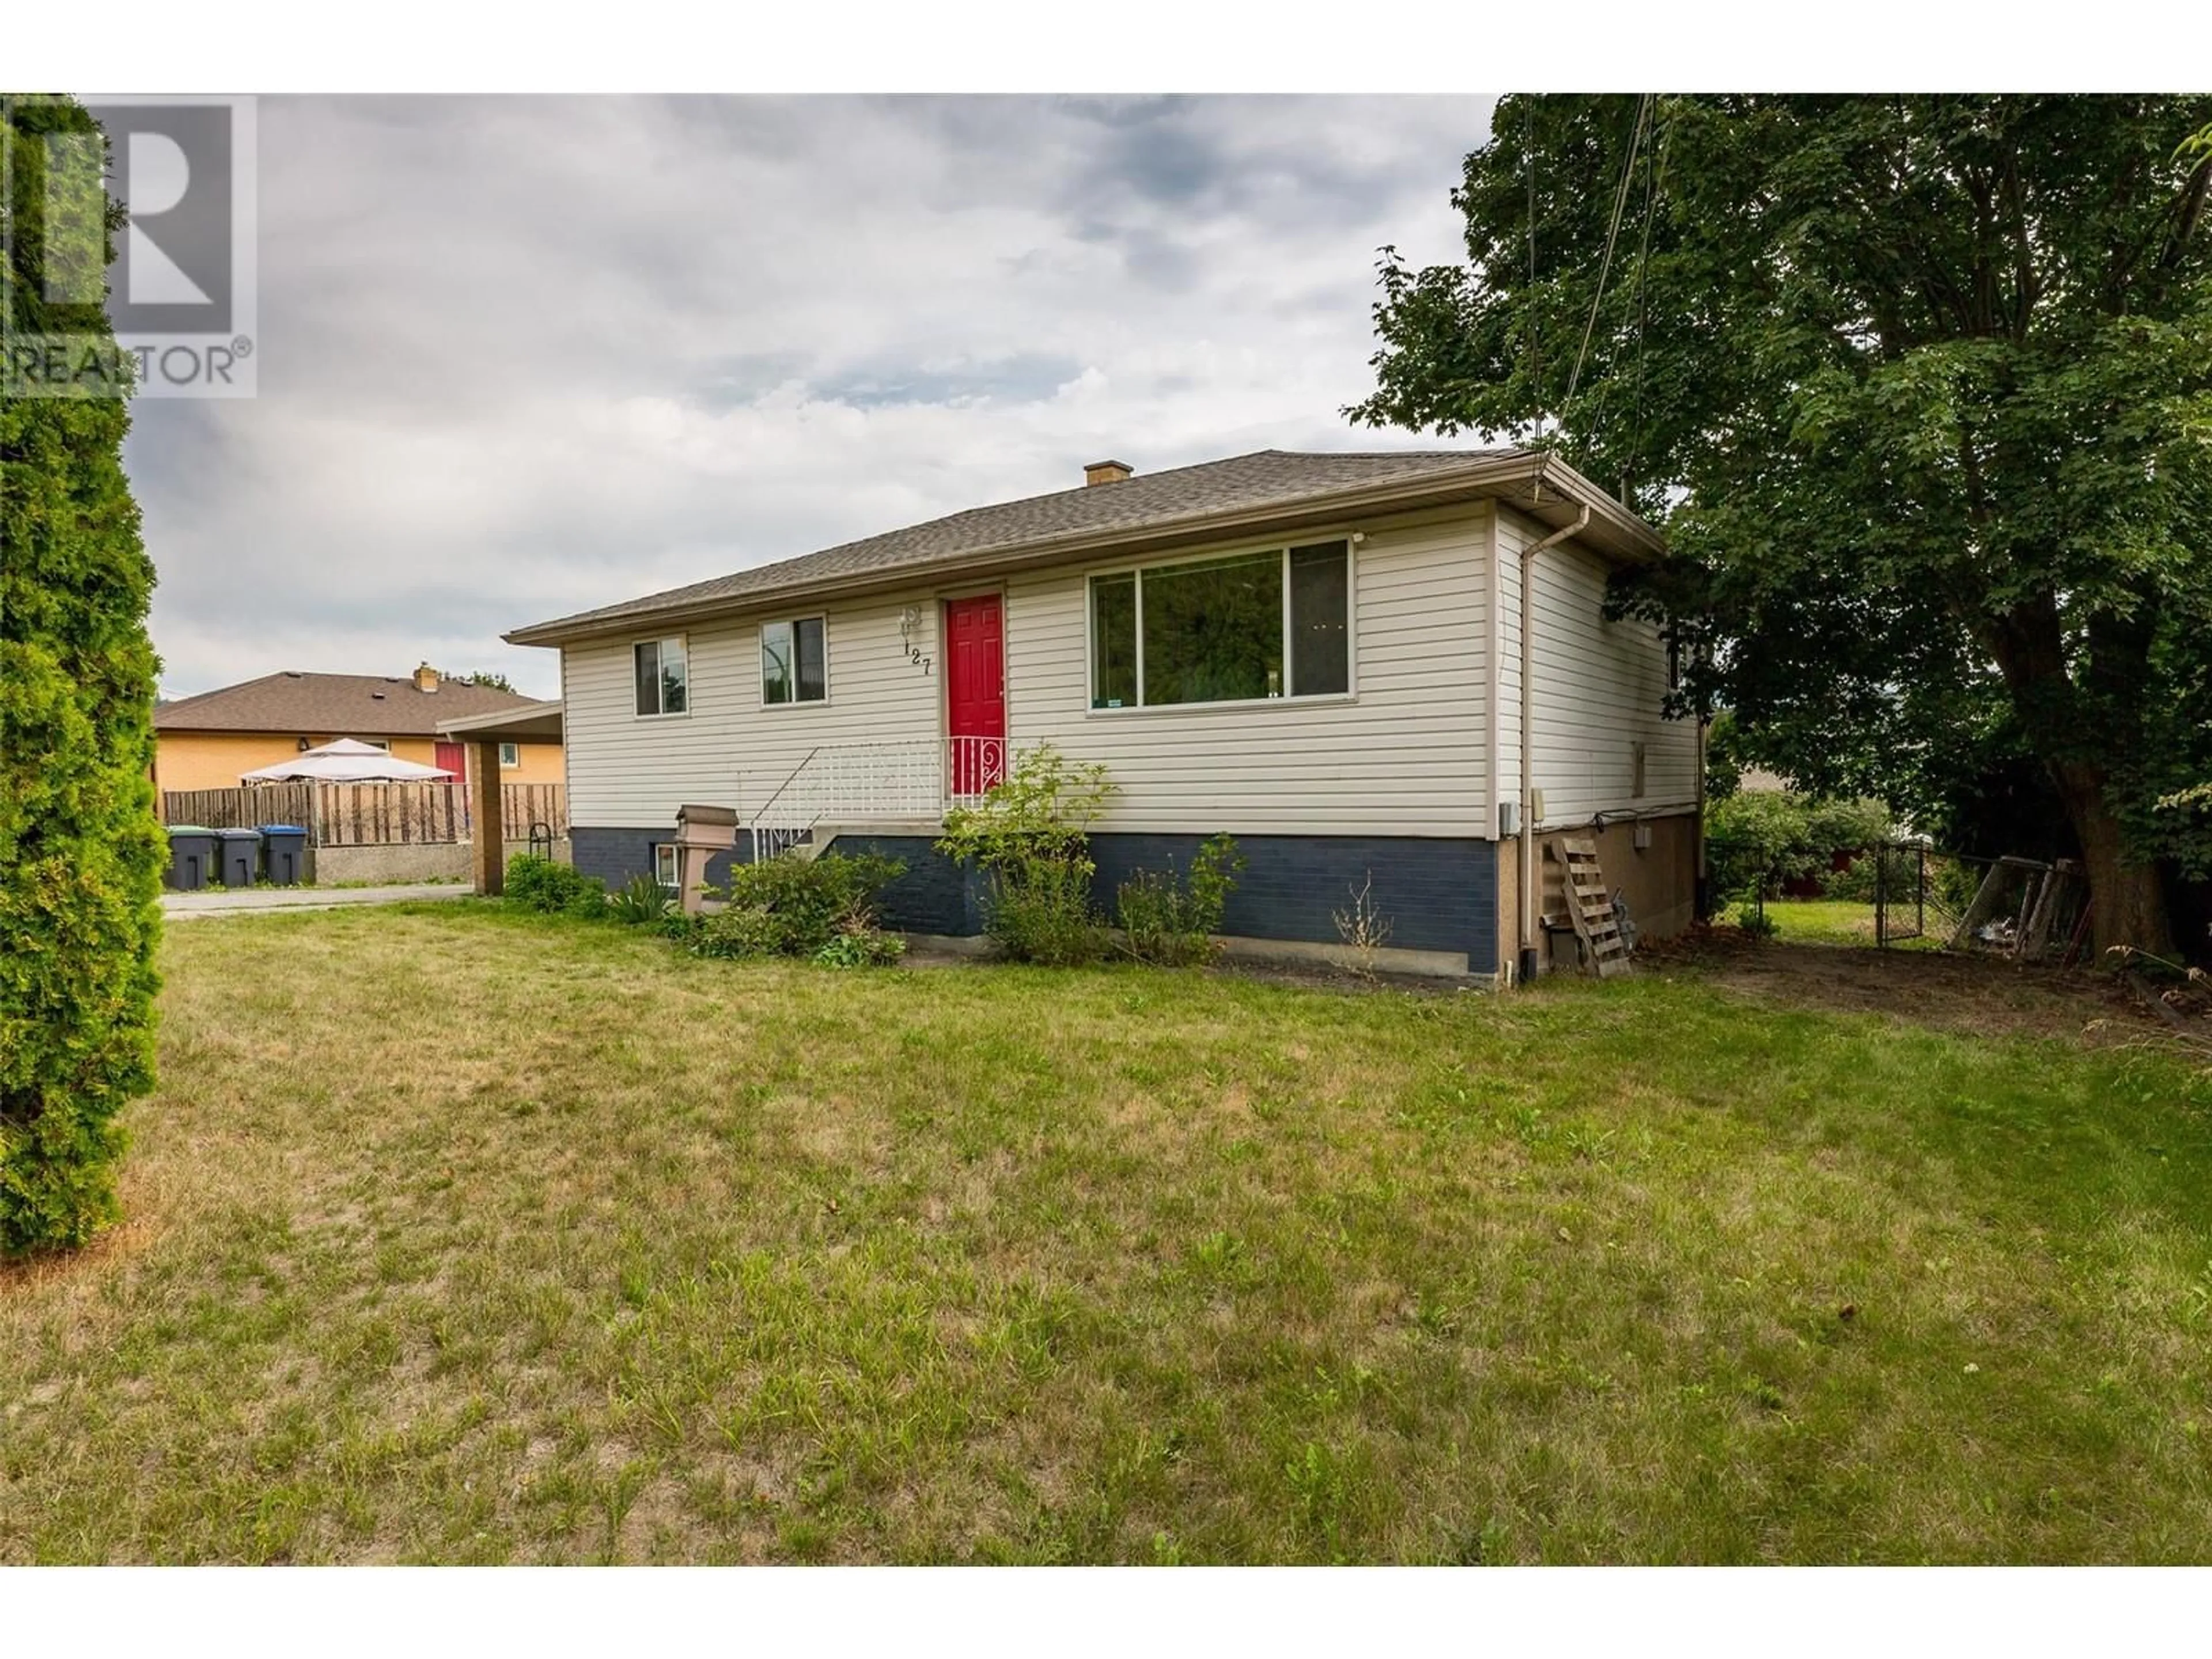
x=616, y=855
x=1438, y=895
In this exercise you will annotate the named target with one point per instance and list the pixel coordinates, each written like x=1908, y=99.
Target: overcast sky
x=519, y=357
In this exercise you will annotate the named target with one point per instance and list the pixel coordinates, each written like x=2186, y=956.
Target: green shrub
x=1754, y=922
x=1757, y=840
x=1754, y=841
x=680, y=925
x=1170, y=922
x=1952, y=883
x=859, y=943
x=794, y=907
x=1845, y=826
x=1895, y=869
x=741, y=930
x=640, y=902
x=549, y=889
x=80, y=849
x=1031, y=837
x=1042, y=912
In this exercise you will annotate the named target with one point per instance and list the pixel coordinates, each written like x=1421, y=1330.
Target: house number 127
x=909, y=623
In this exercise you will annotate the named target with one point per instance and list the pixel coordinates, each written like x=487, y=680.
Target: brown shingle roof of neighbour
x=347, y=705
x=1268, y=479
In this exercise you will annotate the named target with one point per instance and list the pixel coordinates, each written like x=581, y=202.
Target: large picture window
x=1236, y=629
x=663, y=685
x=794, y=662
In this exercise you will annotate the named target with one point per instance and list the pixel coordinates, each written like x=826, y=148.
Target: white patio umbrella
x=345, y=762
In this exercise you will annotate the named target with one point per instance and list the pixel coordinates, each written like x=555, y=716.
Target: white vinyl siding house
x=1600, y=690
x=728, y=746
x=1388, y=754
x=1401, y=753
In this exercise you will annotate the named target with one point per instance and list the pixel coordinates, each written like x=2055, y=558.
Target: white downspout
x=1527, y=905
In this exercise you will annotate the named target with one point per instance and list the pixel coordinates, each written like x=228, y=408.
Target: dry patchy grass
x=455, y=1236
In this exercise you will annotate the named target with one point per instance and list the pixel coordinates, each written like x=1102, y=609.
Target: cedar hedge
x=81, y=851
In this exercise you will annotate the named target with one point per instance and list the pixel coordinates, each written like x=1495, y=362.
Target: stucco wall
x=423, y=861
x=216, y=760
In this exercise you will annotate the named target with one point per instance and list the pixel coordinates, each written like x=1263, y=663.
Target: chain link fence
x=1910, y=894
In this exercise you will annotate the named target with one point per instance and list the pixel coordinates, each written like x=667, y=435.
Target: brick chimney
x=1099, y=472
x=426, y=678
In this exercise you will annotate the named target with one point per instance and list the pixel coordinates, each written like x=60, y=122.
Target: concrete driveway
x=237, y=902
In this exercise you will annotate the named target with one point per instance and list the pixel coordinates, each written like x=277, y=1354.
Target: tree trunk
x=2127, y=899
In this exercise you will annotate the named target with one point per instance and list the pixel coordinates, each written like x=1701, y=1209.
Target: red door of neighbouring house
x=976, y=692
x=453, y=758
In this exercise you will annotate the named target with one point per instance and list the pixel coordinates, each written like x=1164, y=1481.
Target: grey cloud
x=1021, y=376
x=524, y=355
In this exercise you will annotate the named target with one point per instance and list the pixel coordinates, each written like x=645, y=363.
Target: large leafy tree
x=80, y=850
x=1921, y=390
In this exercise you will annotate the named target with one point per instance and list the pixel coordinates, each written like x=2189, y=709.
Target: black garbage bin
x=284, y=853
x=241, y=857
x=192, y=857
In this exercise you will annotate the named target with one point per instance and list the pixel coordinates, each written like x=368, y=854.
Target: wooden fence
x=522, y=804
x=370, y=814
x=241, y=809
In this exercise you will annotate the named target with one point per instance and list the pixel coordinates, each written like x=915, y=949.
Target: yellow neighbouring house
x=208, y=741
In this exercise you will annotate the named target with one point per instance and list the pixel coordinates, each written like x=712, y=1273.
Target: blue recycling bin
x=192, y=857
x=240, y=864
x=284, y=853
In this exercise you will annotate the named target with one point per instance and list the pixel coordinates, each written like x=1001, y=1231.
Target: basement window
x=665, y=868
x=663, y=676
x=795, y=661
x=1249, y=628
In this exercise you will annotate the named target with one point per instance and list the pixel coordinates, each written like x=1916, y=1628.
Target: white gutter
x=1527, y=871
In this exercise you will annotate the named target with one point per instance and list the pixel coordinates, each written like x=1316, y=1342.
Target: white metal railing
x=973, y=768
x=770, y=842
x=904, y=779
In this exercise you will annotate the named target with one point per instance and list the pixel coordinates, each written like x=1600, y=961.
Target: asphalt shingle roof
x=348, y=705
x=1266, y=478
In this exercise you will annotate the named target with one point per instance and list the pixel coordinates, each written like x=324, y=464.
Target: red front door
x=453, y=758
x=976, y=692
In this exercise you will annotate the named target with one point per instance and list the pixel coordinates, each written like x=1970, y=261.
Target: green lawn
x=1837, y=921
x=457, y=1236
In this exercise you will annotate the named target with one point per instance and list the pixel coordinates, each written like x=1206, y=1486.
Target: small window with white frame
x=510, y=754
x=667, y=868
x=794, y=661
x=663, y=676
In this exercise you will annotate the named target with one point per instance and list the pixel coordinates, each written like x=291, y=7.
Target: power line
x=1535, y=361
x=1654, y=172
x=1612, y=236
